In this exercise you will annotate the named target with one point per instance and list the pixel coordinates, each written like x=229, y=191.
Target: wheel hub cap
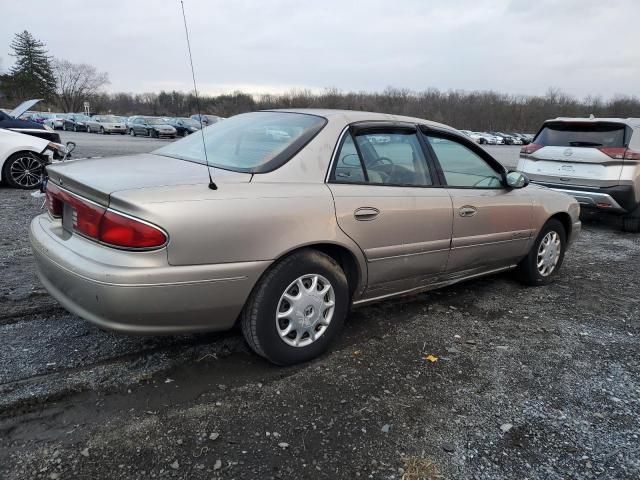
x=305, y=310
x=549, y=253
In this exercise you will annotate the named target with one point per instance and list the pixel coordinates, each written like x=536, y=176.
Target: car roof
x=631, y=121
x=351, y=116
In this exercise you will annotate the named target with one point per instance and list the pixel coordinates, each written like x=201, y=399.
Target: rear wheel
x=23, y=170
x=545, y=258
x=631, y=222
x=297, y=308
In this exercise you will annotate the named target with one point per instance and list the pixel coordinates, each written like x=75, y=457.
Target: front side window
x=382, y=158
x=463, y=167
x=252, y=142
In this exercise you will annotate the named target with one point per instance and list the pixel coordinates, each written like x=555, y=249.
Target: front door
x=387, y=200
x=492, y=225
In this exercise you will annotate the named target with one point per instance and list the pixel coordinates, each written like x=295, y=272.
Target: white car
x=23, y=157
x=55, y=121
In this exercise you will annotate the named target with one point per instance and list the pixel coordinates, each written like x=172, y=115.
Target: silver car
x=291, y=230
x=105, y=124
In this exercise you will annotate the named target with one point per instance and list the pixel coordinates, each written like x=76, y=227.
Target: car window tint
x=394, y=159
x=462, y=167
x=348, y=166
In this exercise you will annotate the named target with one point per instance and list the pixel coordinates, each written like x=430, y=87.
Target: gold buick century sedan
x=307, y=213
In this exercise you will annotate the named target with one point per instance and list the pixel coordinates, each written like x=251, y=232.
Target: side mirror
x=71, y=146
x=517, y=180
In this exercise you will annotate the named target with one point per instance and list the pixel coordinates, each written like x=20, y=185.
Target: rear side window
x=567, y=134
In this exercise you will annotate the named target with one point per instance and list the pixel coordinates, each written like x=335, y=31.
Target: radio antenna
x=212, y=185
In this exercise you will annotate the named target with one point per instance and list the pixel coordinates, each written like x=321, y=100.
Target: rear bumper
x=618, y=199
x=141, y=299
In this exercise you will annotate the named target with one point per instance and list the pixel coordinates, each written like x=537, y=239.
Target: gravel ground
x=527, y=383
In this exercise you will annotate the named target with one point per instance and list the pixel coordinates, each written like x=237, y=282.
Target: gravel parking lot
x=528, y=382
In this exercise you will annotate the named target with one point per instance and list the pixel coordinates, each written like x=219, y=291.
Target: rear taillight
x=54, y=204
x=631, y=155
x=613, y=152
x=529, y=149
x=106, y=226
x=127, y=232
x=620, y=153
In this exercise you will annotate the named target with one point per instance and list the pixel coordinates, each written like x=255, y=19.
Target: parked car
x=152, y=127
x=287, y=235
x=23, y=157
x=55, y=121
x=11, y=121
x=597, y=160
x=184, y=126
x=76, y=122
x=509, y=139
x=106, y=124
x=481, y=138
x=206, y=119
x=523, y=138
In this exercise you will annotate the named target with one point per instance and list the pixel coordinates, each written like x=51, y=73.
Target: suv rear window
x=567, y=134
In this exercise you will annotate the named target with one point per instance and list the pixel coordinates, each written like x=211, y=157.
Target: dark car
x=10, y=121
x=184, y=126
x=151, y=127
x=76, y=122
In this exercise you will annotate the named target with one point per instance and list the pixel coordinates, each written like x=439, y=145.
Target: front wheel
x=132, y=132
x=297, y=308
x=23, y=170
x=545, y=258
x=75, y=128
x=102, y=131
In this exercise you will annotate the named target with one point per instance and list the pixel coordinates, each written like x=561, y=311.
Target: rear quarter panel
x=239, y=222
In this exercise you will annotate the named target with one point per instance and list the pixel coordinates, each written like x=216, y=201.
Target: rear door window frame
x=383, y=126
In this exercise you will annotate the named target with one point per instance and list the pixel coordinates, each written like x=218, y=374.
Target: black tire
x=527, y=271
x=75, y=128
x=132, y=132
x=482, y=141
x=102, y=131
x=631, y=222
x=258, y=318
x=64, y=127
x=18, y=159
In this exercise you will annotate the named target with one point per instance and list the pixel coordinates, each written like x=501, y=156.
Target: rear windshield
x=252, y=142
x=581, y=135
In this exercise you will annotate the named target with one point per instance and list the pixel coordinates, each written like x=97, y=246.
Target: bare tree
x=77, y=83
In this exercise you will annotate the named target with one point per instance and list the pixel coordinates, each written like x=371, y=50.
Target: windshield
x=155, y=121
x=81, y=118
x=252, y=142
x=581, y=135
x=189, y=122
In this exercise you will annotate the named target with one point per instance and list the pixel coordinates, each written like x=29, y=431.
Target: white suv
x=597, y=160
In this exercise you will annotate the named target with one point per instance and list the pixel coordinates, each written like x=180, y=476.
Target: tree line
x=65, y=86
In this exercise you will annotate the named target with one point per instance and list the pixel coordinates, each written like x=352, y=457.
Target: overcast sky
x=517, y=46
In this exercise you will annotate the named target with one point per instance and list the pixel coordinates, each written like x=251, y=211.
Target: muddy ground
x=529, y=383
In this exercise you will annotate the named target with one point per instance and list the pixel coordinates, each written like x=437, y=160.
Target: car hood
x=97, y=178
x=23, y=107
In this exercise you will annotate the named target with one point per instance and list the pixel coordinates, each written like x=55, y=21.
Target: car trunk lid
x=577, y=153
x=96, y=179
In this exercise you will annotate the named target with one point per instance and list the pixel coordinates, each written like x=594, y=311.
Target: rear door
x=576, y=153
x=389, y=202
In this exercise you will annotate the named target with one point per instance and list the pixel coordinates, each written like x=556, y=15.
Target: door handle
x=467, y=211
x=366, y=213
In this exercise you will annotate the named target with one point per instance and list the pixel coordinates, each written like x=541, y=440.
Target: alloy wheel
x=26, y=171
x=305, y=310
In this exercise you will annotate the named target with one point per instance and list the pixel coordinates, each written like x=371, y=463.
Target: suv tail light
x=529, y=149
x=105, y=226
x=620, y=153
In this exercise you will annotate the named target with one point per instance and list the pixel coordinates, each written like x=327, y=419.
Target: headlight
x=56, y=148
x=80, y=123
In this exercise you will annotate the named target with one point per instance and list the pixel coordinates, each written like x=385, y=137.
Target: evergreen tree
x=32, y=72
